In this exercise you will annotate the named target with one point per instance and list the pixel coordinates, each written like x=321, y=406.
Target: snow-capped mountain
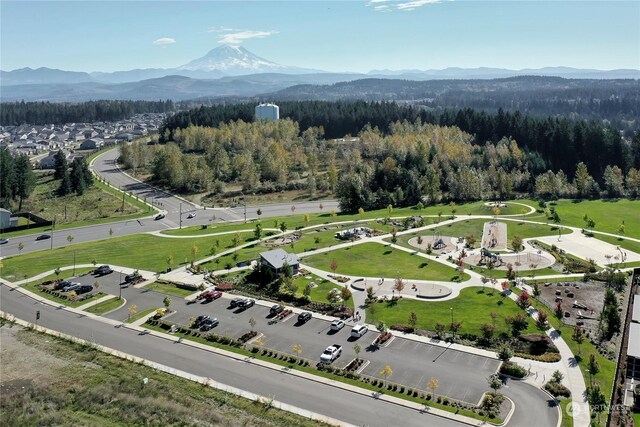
x=236, y=60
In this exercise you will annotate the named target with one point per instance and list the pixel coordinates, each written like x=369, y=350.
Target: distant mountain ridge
x=233, y=71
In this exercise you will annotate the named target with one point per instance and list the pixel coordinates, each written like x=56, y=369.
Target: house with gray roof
x=276, y=259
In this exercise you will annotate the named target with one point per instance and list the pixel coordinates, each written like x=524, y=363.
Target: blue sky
x=328, y=35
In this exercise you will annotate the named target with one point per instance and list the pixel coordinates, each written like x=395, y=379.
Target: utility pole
x=120, y=287
x=181, y=215
x=122, y=207
x=53, y=226
x=74, y=262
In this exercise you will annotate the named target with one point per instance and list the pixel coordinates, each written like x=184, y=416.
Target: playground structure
x=486, y=256
x=437, y=242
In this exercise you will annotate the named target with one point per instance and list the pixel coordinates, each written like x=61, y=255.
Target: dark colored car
x=304, y=317
x=43, y=237
x=235, y=302
x=200, y=320
x=209, y=324
x=103, y=270
x=276, y=309
x=159, y=217
x=83, y=289
x=61, y=285
x=246, y=303
x=132, y=277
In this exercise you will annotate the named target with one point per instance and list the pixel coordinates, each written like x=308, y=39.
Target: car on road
x=103, y=270
x=234, y=302
x=71, y=287
x=209, y=324
x=331, y=353
x=304, y=317
x=43, y=237
x=4, y=241
x=336, y=325
x=83, y=289
x=359, y=330
x=191, y=215
x=132, y=277
x=159, y=217
x=276, y=309
x=246, y=303
x=209, y=295
x=200, y=320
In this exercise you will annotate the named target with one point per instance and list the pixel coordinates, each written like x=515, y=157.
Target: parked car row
x=68, y=286
x=205, y=322
x=242, y=303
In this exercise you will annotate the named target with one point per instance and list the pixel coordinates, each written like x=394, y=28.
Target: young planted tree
x=578, y=337
x=432, y=385
x=440, y=328
x=413, y=320
x=357, y=349
x=133, y=309
x=334, y=266
x=252, y=322
x=69, y=238
x=495, y=383
x=505, y=353
x=593, y=367
x=398, y=285
x=386, y=372
x=194, y=252
x=541, y=321
x=167, y=302
x=297, y=349
x=258, y=231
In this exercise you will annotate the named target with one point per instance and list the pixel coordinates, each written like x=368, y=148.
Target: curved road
x=531, y=403
x=105, y=166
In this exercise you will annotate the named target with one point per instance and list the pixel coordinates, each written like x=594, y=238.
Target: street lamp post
x=53, y=226
x=180, y=214
x=120, y=287
x=74, y=262
x=452, y=331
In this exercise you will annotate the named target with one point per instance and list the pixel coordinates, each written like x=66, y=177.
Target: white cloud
x=412, y=5
x=235, y=37
x=388, y=5
x=164, y=41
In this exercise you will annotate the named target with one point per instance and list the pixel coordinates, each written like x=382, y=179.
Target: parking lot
x=413, y=363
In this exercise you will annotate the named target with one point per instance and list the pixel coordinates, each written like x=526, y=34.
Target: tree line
x=17, y=179
x=552, y=143
x=40, y=113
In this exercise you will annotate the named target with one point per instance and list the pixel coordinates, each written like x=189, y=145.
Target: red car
x=210, y=295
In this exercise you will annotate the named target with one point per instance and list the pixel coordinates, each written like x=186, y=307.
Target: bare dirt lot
x=591, y=294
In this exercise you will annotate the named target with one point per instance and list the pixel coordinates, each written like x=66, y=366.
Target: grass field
x=65, y=384
x=168, y=289
x=472, y=307
x=142, y=251
x=320, y=292
x=99, y=204
x=627, y=244
x=376, y=260
x=608, y=215
x=105, y=306
x=636, y=419
x=298, y=220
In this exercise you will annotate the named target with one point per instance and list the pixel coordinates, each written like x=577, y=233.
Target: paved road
x=318, y=397
x=106, y=167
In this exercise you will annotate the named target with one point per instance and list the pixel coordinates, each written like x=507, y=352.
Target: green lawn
x=608, y=215
x=298, y=220
x=636, y=418
x=99, y=204
x=142, y=251
x=105, y=306
x=320, y=292
x=140, y=315
x=168, y=289
x=567, y=420
x=472, y=307
x=376, y=260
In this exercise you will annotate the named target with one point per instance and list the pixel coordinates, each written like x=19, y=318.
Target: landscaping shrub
x=513, y=369
x=557, y=389
x=402, y=328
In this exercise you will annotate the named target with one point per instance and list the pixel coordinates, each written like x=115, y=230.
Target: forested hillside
x=399, y=163
x=39, y=113
x=552, y=143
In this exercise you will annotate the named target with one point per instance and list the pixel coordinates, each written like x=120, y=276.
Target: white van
x=359, y=330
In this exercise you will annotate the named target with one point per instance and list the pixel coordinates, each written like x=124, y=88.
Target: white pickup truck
x=331, y=353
